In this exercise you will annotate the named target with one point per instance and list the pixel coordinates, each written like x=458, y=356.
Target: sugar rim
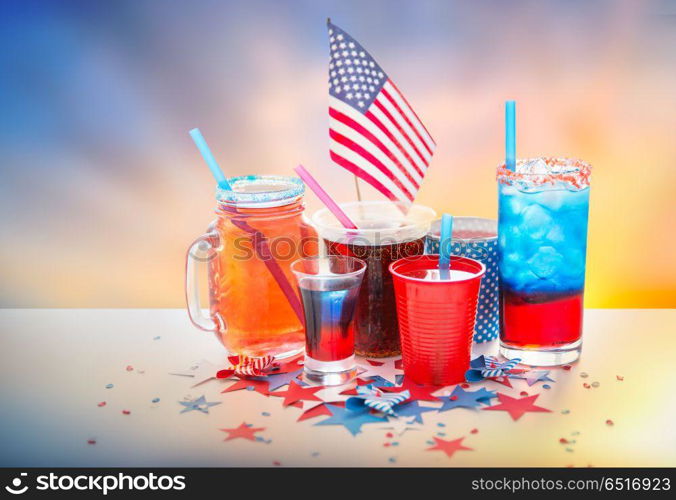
x=578, y=177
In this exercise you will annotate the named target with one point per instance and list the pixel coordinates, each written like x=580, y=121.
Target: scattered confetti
x=130, y=368
x=523, y=393
x=474, y=431
x=535, y=376
x=277, y=463
x=567, y=367
x=101, y=404
x=517, y=407
x=619, y=377
x=565, y=412
x=399, y=425
x=279, y=379
x=586, y=385
x=584, y=374
x=449, y=447
x=91, y=441
x=126, y=412
x=156, y=400
x=610, y=423
x=351, y=420
x=416, y=392
x=109, y=386
x=260, y=386
x=157, y=337
x=460, y=398
x=199, y=404
x=384, y=369
x=595, y=384
x=546, y=386
x=265, y=414
x=296, y=393
x=200, y=372
x=413, y=409
x=570, y=450
x=441, y=424
x=244, y=431
x=392, y=460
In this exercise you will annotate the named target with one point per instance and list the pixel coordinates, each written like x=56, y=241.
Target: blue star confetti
x=199, y=404
x=460, y=398
x=413, y=409
x=351, y=420
x=280, y=379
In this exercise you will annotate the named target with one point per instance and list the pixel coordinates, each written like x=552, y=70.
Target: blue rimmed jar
x=259, y=230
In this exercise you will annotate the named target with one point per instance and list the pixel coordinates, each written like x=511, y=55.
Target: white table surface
x=55, y=364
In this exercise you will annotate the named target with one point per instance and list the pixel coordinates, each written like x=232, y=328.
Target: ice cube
x=546, y=262
x=555, y=234
x=537, y=166
x=536, y=221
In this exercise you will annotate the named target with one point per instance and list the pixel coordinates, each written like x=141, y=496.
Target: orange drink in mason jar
x=254, y=307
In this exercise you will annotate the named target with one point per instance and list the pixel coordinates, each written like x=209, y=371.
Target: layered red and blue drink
x=542, y=242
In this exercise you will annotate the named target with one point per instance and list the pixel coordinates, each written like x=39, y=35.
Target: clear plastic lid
x=379, y=223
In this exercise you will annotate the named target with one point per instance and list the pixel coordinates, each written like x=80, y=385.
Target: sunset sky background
x=102, y=189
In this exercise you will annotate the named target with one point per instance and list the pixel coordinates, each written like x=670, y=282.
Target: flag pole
x=356, y=186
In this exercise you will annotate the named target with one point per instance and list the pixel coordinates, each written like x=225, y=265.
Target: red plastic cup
x=436, y=317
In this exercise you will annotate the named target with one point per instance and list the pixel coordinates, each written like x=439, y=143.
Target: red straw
x=324, y=196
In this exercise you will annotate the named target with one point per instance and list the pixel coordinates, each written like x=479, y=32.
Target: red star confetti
x=449, y=447
x=259, y=386
x=517, y=407
x=296, y=393
x=317, y=411
x=244, y=431
x=418, y=392
x=399, y=364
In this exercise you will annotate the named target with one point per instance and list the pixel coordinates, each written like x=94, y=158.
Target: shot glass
x=329, y=289
x=436, y=316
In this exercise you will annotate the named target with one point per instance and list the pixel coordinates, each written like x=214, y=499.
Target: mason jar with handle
x=254, y=308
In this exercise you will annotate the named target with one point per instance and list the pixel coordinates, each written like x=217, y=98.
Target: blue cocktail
x=542, y=241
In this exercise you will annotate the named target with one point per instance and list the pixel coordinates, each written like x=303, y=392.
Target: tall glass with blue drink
x=543, y=207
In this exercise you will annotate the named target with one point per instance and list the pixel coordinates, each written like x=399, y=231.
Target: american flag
x=374, y=132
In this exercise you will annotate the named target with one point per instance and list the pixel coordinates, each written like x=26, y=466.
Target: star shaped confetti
x=384, y=369
x=244, y=431
x=296, y=393
x=413, y=409
x=517, y=407
x=400, y=425
x=534, y=376
x=318, y=411
x=460, y=398
x=201, y=372
x=279, y=379
x=449, y=447
x=259, y=386
x=418, y=392
x=351, y=420
x=199, y=404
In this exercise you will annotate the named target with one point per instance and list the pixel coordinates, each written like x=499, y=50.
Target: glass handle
x=202, y=250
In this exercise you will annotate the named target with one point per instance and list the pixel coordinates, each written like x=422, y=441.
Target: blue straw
x=510, y=134
x=445, y=246
x=209, y=159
